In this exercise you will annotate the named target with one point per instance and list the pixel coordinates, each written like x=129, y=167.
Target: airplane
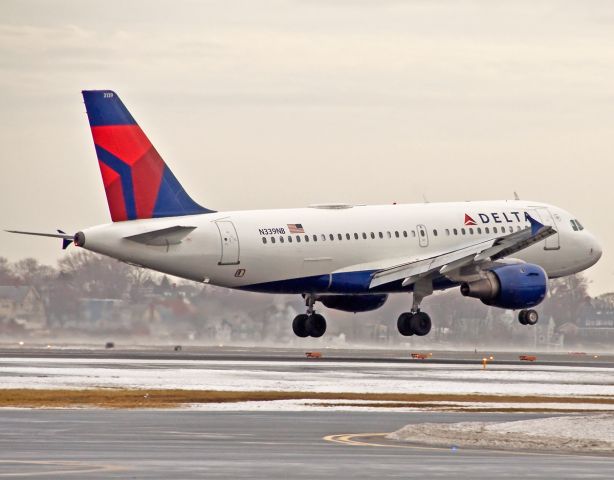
x=346, y=257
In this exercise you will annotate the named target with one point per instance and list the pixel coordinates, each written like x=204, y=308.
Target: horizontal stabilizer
x=62, y=235
x=163, y=237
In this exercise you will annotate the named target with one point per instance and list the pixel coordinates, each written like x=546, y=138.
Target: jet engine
x=510, y=286
x=353, y=303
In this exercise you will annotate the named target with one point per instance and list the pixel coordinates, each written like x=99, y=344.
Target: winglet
x=535, y=225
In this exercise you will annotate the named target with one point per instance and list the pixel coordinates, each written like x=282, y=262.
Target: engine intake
x=510, y=286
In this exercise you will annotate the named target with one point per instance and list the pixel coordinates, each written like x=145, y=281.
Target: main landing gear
x=416, y=322
x=528, y=317
x=310, y=324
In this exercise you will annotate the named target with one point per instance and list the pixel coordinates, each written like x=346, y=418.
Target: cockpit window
x=576, y=225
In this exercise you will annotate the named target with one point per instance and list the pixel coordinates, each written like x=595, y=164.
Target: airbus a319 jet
x=347, y=257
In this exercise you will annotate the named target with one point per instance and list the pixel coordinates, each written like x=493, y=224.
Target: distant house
x=22, y=305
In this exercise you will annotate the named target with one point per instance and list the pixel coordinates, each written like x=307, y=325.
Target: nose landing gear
x=310, y=324
x=528, y=317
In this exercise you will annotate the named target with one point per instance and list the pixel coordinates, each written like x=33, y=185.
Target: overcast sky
x=264, y=104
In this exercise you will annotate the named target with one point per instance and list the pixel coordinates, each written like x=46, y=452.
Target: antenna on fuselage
x=516, y=196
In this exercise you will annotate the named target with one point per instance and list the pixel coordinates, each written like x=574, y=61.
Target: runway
x=264, y=445
x=354, y=355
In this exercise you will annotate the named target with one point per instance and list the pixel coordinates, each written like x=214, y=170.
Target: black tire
x=531, y=317
x=522, y=317
x=421, y=324
x=315, y=325
x=404, y=324
x=299, y=325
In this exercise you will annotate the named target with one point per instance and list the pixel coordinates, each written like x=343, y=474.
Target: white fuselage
x=255, y=250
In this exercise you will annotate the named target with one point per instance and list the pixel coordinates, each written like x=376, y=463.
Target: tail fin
x=136, y=180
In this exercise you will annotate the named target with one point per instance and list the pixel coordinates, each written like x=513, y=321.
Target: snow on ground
x=300, y=376
x=578, y=433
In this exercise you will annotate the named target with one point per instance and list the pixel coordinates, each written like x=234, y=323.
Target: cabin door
x=544, y=215
x=230, y=243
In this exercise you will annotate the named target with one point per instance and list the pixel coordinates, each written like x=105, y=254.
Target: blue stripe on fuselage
x=349, y=283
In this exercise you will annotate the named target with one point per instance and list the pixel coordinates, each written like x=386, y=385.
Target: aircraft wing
x=466, y=260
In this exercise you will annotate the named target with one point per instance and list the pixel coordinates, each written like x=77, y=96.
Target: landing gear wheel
x=522, y=317
x=531, y=317
x=299, y=325
x=403, y=324
x=315, y=325
x=420, y=323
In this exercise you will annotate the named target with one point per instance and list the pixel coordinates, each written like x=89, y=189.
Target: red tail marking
x=126, y=142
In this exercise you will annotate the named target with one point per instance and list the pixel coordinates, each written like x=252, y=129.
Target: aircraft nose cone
x=596, y=250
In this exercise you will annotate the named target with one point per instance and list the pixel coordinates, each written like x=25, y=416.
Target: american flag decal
x=295, y=228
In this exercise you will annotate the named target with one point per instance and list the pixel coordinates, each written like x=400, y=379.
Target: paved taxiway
x=256, y=445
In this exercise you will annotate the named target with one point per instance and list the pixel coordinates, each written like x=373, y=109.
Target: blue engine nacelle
x=510, y=286
x=353, y=303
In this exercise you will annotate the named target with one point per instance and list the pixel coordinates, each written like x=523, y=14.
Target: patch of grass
x=142, y=398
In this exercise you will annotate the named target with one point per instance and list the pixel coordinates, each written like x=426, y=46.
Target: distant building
x=22, y=305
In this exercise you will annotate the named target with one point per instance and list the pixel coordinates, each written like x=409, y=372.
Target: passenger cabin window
x=298, y=238
x=455, y=231
x=323, y=237
x=447, y=231
x=381, y=235
x=289, y=239
x=331, y=236
x=364, y=235
x=306, y=238
x=396, y=233
x=463, y=231
x=355, y=236
x=479, y=230
x=487, y=230
x=315, y=238
x=272, y=239
x=434, y=233
x=339, y=236
x=281, y=239
x=372, y=235
x=413, y=233
x=263, y=239
x=405, y=233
